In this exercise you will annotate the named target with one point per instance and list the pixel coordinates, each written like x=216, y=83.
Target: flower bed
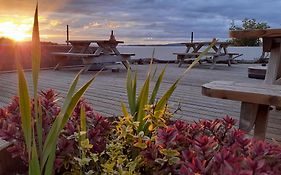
x=177, y=147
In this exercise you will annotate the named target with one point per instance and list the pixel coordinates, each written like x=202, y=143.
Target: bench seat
x=197, y=54
x=81, y=55
x=127, y=54
x=215, y=57
x=255, y=101
x=93, y=61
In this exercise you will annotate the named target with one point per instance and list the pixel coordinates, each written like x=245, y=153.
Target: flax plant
x=41, y=154
x=138, y=102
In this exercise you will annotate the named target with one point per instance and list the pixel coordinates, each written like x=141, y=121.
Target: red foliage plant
x=203, y=147
x=67, y=147
x=212, y=147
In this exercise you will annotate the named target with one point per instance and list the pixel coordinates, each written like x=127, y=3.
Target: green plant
x=144, y=108
x=248, y=24
x=41, y=155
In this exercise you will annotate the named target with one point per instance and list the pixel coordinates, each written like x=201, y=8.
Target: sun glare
x=15, y=31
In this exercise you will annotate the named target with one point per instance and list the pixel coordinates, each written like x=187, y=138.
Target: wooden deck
x=108, y=91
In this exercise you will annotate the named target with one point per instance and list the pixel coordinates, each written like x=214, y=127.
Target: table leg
x=248, y=115
x=254, y=116
x=273, y=72
x=261, y=122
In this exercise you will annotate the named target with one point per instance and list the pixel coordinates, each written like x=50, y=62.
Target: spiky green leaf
x=156, y=87
x=25, y=111
x=142, y=101
x=34, y=166
x=131, y=91
x=63, y=117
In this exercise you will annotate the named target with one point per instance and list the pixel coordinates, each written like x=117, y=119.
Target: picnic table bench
x=255, y=98
x=255, y=101
x=219, y=53
x=105, y=53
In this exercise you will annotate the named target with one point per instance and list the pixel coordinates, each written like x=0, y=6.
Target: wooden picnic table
x=218, y=52
x=106, y=53
x=271, y=43
x=255, y=98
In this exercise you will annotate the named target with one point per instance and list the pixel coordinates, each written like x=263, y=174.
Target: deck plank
x=108, y=91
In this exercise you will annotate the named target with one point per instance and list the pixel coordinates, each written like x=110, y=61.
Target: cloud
x=138, y=20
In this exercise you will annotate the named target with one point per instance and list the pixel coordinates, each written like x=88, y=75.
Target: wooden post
x=67, y=35
x=191, y=39
x=112, y=37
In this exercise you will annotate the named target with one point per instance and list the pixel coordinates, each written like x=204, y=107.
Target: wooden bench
x=181, y=57
x=255, y=101
x=74, y=55
x=90, y=59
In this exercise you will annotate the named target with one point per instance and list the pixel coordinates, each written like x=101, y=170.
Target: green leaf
x=83, y=122
x=200, y=56
x=34, y=166
x=164, y=99
x=50, y=161
x=131, y=91
x=36, y=58
x=36, y=51
x=85, y=144
x=142, y=101
x=63, y=116
x=169, y=152
x=156, y=87
x=25, y=111
x=124, y=110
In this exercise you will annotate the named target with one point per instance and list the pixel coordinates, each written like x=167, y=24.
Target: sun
x=15, y=31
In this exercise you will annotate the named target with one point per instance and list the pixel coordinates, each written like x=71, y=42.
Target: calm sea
x=166, y=52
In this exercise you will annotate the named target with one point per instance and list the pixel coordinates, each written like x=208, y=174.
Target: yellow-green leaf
x=83, y=122
x=86, y=144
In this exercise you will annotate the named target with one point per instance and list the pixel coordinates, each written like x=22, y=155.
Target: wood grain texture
x=252, y=93
x=109, y=90
x=266, y=33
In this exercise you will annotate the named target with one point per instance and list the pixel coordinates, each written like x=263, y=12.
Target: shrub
x=175, y=147
x=67, y=146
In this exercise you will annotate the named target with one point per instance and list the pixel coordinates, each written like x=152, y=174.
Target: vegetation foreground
x=73, y=139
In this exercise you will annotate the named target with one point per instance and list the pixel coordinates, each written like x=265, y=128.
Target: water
x=166, y=52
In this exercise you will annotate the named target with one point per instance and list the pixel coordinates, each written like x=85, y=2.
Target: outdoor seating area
x=219, y=53
x=105, y=53
x=75, y=100
x=255, y=99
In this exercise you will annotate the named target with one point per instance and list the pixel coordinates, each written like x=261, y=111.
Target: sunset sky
x=134, y=21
